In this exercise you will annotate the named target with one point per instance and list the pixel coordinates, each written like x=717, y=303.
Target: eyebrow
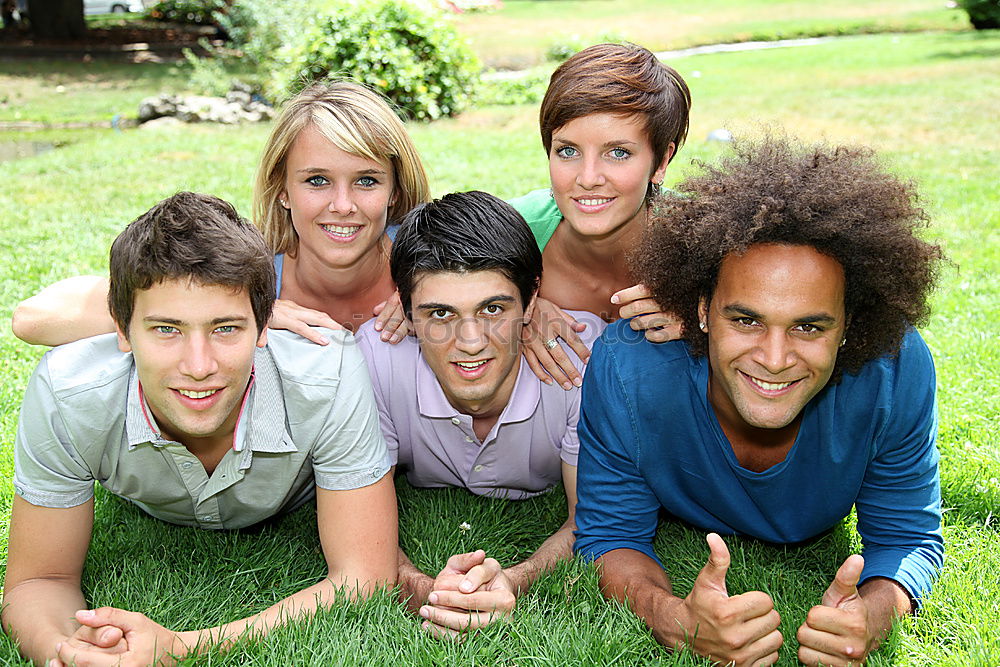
x=505, y=298
x=745, y=311
x=607, y=144
x=320, y=170
x=231, y=319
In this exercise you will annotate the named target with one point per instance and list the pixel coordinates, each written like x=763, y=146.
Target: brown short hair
x=356, y=120
x=623, y=79
x=837, y=199
x=193, y=236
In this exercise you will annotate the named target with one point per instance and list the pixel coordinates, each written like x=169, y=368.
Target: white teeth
x=470, y=365
x=196, y=394
x=769, y=386
x=338, y=230
x=594, y=202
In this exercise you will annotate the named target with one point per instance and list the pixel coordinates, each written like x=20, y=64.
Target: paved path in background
x=697, y=50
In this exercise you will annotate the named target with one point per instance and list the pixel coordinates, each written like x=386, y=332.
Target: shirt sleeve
x=366, y=345
x=350, y=452
x=616, y=508
x=49, y=471
x=569, y=446
x=899, y=504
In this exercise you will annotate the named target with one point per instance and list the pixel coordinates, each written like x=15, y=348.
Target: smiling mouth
x=769, y=387
x=470, y=365
x=341, y=231
x=593, y=201
x=197, y=394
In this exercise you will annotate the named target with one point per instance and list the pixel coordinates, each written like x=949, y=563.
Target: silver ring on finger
x=551, y=343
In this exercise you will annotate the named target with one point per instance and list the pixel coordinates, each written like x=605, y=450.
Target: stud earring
x=654, y=189
x=703, y=326
x=843, y=341
x=283, y=203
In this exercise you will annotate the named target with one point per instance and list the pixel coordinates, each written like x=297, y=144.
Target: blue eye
x=225, y=329
x=620, y=154
x=567, y=152
x=367, y=182
x=317, y=181
x=165, y=329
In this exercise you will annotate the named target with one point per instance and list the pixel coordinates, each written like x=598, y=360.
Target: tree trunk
x=57, y=19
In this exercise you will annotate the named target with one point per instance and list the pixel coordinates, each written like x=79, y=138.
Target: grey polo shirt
x=308, y=419
x=435, y=444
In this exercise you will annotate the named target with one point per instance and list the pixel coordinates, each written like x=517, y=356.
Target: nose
x=342, y=201
x=471, y=337
x=775, y=352
x=591, y=173
x=198, y=361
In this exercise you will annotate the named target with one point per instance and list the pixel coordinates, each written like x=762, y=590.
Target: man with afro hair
x=799, y=390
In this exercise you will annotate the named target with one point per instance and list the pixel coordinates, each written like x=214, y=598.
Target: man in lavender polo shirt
x=459, y=407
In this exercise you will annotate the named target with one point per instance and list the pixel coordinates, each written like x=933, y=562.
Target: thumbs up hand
x=742, y=629
x=837, y=632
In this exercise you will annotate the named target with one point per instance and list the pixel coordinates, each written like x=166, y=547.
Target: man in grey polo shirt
x=459, y=406
x=200, y=417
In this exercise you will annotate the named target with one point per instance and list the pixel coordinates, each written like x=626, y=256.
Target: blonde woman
x=337, y=170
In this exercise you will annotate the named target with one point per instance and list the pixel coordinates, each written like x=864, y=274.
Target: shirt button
x=187, y=464
x=478, y=468
x=207, y=517
x=456, y=421
x=468, y=438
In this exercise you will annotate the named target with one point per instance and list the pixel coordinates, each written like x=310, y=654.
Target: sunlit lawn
x=927, y=102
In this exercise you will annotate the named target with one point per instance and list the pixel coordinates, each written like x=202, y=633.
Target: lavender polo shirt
x=434, y=444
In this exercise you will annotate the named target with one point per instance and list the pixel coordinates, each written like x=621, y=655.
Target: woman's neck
x=604, y=254
x=320, y=281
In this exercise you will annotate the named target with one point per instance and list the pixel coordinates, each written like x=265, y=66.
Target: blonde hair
x=356, y=120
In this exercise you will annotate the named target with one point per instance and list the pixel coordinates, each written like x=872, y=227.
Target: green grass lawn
x=926, y=101
x=520, y=33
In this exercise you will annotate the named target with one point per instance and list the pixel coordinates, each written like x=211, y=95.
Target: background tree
x=58, y=19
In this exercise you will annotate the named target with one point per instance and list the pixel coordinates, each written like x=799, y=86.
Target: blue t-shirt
x=650, y=438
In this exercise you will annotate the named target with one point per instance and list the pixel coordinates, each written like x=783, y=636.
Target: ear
x=123, y=343
x=529, y=310
x=283, y=200
x=262, y=339
x=703, y=309
x=661, y=169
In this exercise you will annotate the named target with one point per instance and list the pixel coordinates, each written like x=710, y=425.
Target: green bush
x=983, y=14
x=408, y=53
x=187, y=11
x=523, y=88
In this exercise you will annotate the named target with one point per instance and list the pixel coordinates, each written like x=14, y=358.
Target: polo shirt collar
x=432, y=402
x=261, y=424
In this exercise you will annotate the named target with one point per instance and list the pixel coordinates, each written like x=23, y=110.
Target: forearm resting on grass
x=740, y=629
x=65, y=311
x=358, y=534
x=46, y=550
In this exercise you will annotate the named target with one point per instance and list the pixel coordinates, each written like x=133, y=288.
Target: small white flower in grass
x=464, y=527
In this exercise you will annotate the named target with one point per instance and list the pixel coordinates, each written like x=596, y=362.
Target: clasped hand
x=109, y=636
x=470, y=592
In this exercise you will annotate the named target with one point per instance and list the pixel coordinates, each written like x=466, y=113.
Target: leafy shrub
x=407, y=52
x=258, y=29
x=519, y=88
x=187, y=11
x=983, y=14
